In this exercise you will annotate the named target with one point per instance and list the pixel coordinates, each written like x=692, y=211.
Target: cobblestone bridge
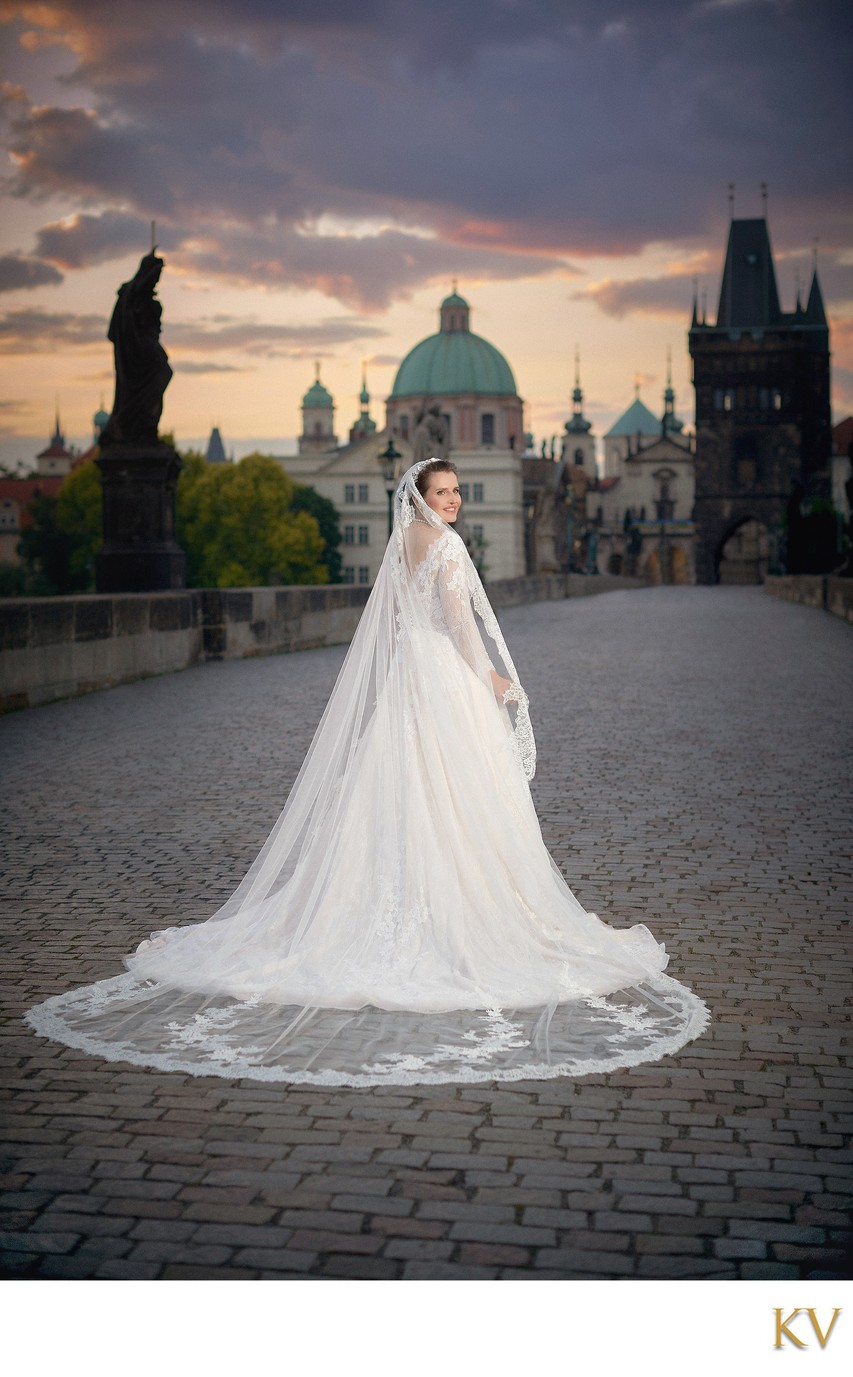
x=694, y=775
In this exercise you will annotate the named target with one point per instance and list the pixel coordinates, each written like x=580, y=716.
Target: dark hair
x=434, y=466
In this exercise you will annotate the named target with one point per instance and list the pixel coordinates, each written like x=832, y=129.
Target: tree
x=325, y=513
x=238, y=530
x=78, y=515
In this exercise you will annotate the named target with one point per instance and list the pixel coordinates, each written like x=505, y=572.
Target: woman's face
x=442, y=495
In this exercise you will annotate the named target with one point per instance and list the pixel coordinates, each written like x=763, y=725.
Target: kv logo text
x=784, y=1330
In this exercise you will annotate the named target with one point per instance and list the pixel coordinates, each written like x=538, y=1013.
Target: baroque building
x=763, y=428
x=453, y=392
x=557, y=532
x=458, y=383
x=641, y=511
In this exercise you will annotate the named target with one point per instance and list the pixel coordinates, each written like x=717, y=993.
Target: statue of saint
x=141, y=363
x=431, y=439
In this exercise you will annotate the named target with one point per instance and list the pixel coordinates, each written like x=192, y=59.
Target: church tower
x=763, y=429
x=318, y=419
x=578, y=441
x=365, y=426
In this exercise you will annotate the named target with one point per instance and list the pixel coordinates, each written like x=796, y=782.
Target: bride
x=403, y=923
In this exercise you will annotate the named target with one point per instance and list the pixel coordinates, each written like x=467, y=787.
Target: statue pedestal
x=140, y=552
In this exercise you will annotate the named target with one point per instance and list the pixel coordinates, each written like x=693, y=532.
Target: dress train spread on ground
x=404, y=922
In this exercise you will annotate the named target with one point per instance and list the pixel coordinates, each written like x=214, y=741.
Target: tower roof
x=815, y=311
x=748, y=294
x=215, y=448
x=317, y=395
x=637, y=420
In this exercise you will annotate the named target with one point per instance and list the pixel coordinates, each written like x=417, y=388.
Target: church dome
x=455, y=361
x=317, y=395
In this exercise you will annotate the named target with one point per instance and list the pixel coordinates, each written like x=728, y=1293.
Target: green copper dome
x=317, y=396
x=454, y=362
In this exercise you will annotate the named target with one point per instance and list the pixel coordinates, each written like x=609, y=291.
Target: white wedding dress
x=403, y=923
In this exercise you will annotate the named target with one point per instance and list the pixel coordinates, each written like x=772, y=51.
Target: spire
x=578, y=425
x=364, y=426
x=815, y=311
x=57, y=438
x=671, y=425
x=694, y=321
x=749, y=298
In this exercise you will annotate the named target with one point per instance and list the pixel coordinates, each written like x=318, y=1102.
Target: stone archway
x=742, y=554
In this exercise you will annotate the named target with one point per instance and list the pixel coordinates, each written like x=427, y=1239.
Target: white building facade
x=472, y=387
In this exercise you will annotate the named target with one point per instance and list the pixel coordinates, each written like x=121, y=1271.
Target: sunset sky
x=321, y=172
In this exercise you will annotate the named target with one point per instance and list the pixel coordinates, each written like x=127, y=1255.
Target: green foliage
x=59, y=544
x=78, y=515
x=241, y=525
x=18, y=581
x=325, y=513
x=238, y=530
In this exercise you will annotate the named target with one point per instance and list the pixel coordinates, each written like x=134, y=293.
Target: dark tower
x=763, y=427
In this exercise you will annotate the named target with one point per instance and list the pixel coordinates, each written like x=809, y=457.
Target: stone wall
x=59, y=647
x=814, y=590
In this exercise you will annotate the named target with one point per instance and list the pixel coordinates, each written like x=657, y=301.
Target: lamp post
x=389, y=459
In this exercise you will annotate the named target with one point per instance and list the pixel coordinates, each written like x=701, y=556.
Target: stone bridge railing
x=59, y=647
x=814, y=590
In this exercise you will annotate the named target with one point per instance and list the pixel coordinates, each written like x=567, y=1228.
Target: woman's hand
x=499, y=684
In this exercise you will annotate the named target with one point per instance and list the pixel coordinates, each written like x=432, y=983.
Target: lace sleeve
x=455, y=601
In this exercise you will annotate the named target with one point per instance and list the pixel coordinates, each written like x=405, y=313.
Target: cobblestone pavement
x=692, y=776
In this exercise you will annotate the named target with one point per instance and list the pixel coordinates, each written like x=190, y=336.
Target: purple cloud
x=523, y=135
x=26, y=331
x=18, y=271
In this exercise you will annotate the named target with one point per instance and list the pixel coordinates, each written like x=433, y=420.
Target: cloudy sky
x=319, y=173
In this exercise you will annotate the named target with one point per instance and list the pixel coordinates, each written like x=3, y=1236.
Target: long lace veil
x=403, y=921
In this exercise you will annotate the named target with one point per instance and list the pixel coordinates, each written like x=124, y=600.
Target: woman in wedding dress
x=404, y=922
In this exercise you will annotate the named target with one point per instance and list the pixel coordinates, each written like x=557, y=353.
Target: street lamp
x=389, y=459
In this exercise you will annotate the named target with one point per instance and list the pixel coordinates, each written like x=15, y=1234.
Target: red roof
x=55, y=451
x=605, y=484
x=23, y=490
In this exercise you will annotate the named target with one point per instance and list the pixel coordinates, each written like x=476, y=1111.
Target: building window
x=777, y=399
x=349, y=535
x=363, y=494
x=478, y=492
x=364, y=573
x=487, y=428
x=349, y=492
x=728, y=399
x=579, y=458
x=477, y=532
x=446, y=420
x=763, y=398
x=348, y=574
x=404, y=427
x=364, y=535
x=464, y=491
x=718, y=399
